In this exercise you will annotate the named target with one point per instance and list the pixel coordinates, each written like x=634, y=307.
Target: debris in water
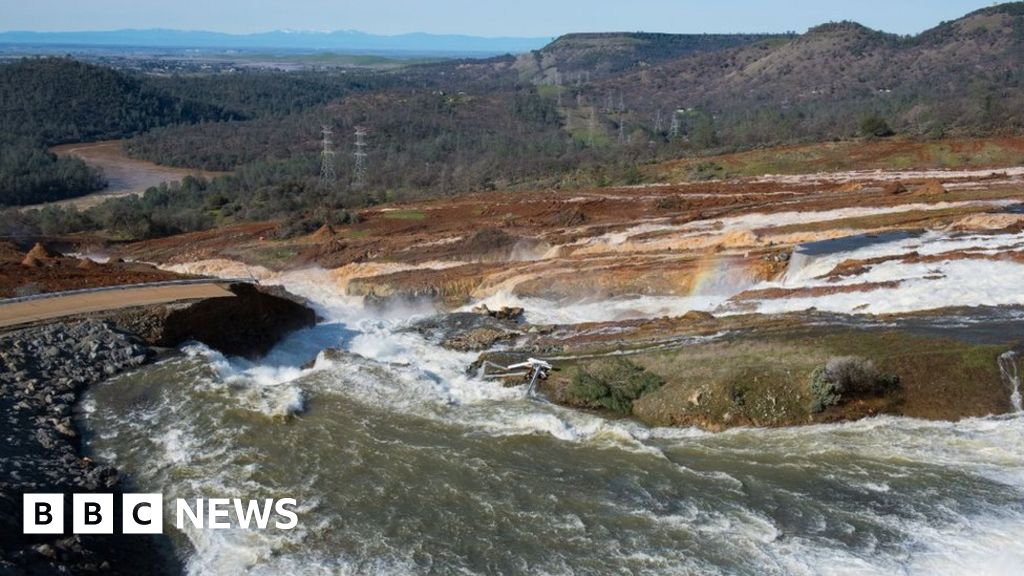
x=532, y=370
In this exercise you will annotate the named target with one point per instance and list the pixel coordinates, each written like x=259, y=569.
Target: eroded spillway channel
x=403, y=464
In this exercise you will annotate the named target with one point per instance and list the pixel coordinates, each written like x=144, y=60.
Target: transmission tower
x=657, y=121
x=673, y=131
x=327, y=174
x=359, y=175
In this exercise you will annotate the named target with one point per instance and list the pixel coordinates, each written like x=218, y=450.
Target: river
x=403, y=464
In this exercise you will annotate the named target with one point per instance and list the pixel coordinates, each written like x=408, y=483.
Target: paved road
x=23, y=312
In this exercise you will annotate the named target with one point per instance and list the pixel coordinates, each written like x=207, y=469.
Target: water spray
x=1009, y=366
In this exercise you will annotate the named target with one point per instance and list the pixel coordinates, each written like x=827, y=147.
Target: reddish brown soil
x=59, y=273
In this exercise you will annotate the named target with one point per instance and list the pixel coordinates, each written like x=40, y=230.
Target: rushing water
x=403, y=464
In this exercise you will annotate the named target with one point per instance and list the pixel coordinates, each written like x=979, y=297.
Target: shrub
x=706, y=171
x=874, y=126
x=612, y=384
x=845, y=376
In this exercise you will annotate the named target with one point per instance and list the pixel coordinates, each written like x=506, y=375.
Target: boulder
x=503, y=313
x=478, y=339
x=895, y=188
x=465, y=331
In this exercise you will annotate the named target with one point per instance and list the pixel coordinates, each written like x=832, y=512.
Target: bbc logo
x=93, y=514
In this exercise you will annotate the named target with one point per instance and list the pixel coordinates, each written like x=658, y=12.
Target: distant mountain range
x=344, y=40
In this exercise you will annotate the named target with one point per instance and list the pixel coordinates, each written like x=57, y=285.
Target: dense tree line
x=29, y=174
x=47, y=101
x=257, y=192
x=430, y=141
x=262, y=93
x=59, y=100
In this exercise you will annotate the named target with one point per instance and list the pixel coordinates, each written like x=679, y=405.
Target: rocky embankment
x=42, y=371
x=44, y=368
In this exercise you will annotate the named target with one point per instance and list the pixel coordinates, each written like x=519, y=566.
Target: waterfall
x=1009, y=365
x=798, y=261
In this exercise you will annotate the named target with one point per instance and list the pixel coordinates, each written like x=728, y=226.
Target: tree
x=874, y=126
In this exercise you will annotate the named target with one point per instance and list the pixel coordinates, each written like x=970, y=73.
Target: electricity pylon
x=359, y=173
x=327, y=173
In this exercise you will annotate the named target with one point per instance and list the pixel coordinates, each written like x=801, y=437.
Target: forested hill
x=57, y=100
x=48, y=101
x=961, y=77
x=575, y=58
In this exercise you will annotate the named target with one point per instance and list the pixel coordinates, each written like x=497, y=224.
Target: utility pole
x=359, y=175
x=327, y=173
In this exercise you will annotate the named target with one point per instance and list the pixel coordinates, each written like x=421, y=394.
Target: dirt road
x=24, y=312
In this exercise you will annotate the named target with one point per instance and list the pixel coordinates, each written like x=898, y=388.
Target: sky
x=522, y=18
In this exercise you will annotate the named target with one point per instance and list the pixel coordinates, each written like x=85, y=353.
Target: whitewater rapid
x=405, y=464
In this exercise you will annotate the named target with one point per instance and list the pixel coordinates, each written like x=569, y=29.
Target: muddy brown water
x=125, y=175
x=403, y=464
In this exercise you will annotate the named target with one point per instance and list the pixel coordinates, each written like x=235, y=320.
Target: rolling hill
x=962, y=77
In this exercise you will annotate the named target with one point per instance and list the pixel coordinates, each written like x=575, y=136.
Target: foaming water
x=911, y=273
x=1009, y=366
x=541, y=311
x=405, y=464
